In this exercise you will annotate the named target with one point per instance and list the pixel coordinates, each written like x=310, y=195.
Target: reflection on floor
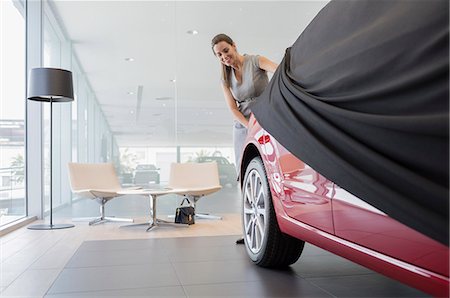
x=201, y=260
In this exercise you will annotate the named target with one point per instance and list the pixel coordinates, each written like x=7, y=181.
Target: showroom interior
x=147, y=94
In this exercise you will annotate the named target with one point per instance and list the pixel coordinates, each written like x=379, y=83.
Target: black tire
x=266, y=245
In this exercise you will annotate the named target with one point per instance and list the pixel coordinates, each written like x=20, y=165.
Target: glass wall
x=92, y=139
x=80, y=131
x=12, y=111
x=223, y=156
x=52, y=58
x=56, y=53
x=147, y=166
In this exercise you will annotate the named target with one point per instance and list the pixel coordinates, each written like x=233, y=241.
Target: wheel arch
x=250, y=152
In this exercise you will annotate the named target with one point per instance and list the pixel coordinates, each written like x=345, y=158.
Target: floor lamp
x=50, y=85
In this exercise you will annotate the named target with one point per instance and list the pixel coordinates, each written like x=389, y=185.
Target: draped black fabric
x=363, y=97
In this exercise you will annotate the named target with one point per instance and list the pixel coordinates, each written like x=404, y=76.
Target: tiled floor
x=210, y=266
x=32, y=260
x=199, y=261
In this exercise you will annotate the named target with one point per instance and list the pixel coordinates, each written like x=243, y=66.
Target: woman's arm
x=267, y=64
x=233, y=106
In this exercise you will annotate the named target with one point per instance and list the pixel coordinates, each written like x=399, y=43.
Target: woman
x=244, y=77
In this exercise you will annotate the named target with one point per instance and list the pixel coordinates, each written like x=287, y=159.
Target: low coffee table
x=153, y=195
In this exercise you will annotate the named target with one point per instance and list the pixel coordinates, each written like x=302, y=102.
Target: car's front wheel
x=266, y=245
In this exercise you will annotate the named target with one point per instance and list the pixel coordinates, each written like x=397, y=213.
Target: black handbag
x=185, y=214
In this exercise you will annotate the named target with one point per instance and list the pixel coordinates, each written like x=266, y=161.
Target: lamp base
x=51, y=227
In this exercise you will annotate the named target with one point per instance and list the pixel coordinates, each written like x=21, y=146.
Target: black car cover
x=363, y=97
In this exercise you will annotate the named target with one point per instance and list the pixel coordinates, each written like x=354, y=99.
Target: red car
x=287, y=203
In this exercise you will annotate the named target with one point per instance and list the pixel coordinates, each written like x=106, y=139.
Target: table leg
x=154, y=222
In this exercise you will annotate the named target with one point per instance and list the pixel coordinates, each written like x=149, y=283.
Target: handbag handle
x=185, y=199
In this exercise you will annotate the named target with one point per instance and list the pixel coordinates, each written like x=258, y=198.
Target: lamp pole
x=51, y=159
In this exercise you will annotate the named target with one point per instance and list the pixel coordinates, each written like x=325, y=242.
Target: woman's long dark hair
x=226, y=70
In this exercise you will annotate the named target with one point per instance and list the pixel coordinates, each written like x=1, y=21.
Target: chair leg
x=203, y=215
x=103, y=218
x=97, y=221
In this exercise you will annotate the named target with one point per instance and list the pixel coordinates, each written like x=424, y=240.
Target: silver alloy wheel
x=254, y=211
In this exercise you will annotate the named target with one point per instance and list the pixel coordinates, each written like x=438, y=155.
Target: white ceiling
x=154, y=33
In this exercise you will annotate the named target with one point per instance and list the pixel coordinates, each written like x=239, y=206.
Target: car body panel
x=307, y=194
x=361, y=223
x=314, y=209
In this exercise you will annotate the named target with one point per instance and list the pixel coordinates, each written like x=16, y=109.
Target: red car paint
x=314, y=209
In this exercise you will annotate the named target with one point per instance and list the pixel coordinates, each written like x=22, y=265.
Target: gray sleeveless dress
x=254, y=81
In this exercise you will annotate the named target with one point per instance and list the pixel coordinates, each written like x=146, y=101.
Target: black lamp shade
x=50, y=84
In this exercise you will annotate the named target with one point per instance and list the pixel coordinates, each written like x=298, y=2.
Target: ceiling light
x=131, y=112
x=164, y=98
x=129, y=59
x=130, y=92
x=192, y=32
x=173, y=80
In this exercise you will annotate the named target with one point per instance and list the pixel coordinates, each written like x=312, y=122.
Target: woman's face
x=225, y=52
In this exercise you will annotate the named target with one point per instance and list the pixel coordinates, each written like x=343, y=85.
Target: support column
x=33, y=123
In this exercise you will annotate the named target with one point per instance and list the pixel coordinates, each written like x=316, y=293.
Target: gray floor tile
x=175, y=292
x=168, y=244
x=191, y=273
x=199, y=242
x=371, y=285
x=327, y=265
x=114, y=277
x=127, y=244
x=98, y=258
x=205, y=253
x=297, y=288
x=312, y=250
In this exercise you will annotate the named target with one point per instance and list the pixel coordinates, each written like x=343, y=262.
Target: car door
x=359, y=222
x=306, y=195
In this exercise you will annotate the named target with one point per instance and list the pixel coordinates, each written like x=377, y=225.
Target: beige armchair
x=97, y=181
x=195, y=180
